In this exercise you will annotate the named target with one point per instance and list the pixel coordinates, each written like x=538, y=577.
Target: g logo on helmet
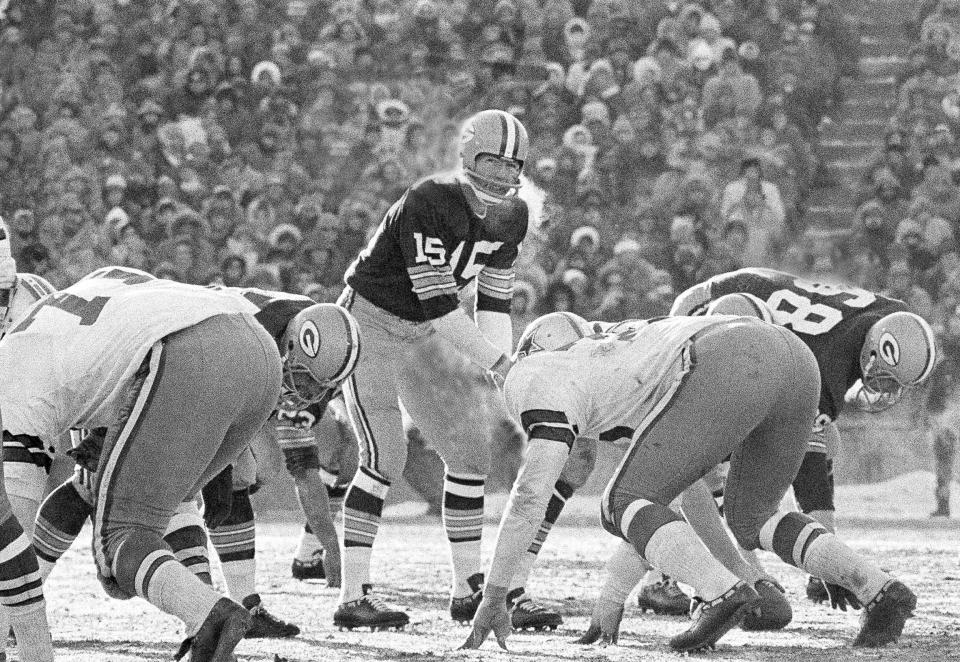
x=889, y=349
x=309, y=339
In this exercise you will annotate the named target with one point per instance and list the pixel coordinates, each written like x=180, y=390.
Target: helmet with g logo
x=898, y=352
x=492, y=132
x=550, y=332
x=742, y=304
x=322, y=348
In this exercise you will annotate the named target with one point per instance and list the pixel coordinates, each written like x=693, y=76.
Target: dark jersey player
x=423, y=353
x=867, y=346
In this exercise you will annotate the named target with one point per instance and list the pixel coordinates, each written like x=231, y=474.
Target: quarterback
x=180, y=377
x=689, y=392
x=422, y=352
x=868, y=349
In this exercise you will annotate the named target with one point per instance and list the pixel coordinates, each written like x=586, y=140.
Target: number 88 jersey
x=833, y=320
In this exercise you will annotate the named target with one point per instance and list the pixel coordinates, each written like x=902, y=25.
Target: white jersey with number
x=69, y=361
x=607, y=385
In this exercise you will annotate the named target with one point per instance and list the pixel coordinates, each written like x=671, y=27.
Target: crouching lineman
x=25, y=464
x=181, y=377
x=868, y=349
x=689, y=392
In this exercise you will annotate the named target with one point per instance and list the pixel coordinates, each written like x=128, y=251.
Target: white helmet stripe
x=510, y=143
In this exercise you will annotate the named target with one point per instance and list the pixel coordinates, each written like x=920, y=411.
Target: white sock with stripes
x=463, y=521
x=175, y=590
x=32, y=631
x=829, y=558
x=241, y=577
x=676, y=550
x=361, y=520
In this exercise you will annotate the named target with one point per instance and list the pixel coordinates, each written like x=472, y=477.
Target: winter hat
x=272, y=69
x=595, y=111
x=584, y=232
x=284, y=229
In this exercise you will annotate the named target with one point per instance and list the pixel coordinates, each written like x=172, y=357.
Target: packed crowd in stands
x=258, y=142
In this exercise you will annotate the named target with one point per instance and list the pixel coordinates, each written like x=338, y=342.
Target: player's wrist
x=494, y=592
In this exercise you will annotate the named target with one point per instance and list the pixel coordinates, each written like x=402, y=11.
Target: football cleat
x=263, y=624
x=664, y=598
x=525, y=614
x=713, y=619
x=772, y=612
x=312, y=569
x=883, y=619
x=370, y=611
x=462, y=610
x=605, y=630
x=219, y=634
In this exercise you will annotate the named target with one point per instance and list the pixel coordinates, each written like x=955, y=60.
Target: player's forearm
x=701, y=512
x=497, y=328
x=467, y=337
x=527, y=507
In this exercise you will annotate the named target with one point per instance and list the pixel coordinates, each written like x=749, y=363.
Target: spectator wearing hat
x=924, y=237
x=23, y=231
x=744, y=87
x=584, y=252
x=128, y=249
x=942, y=194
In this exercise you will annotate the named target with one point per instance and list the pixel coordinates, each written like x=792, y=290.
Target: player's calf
x=804, y=543
x=59, y=521
x=23, y=592
x=188, y=540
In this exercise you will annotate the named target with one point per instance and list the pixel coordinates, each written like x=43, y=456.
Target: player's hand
x=87, y=452
x=491, y=616
x=331, y=567
x=841, y=598
x=604, y=625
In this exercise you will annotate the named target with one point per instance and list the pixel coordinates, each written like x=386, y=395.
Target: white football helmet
x=323, y=347
x=493, y=132
x=27, y=290
x=899, y=351
x=742, y=304
x=550, y=332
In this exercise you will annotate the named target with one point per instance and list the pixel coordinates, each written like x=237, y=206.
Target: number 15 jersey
x=431, y=244
x=832, y=320
x=69, y=361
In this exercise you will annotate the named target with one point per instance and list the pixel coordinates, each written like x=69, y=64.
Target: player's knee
x=580, y=464
x=788, y=535
x=24, y=480
x=813, y=485
x=133, y=554
x=641, y=519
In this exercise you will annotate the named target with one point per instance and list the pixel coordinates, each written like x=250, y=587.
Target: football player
x=444, y=232
x=180, y=377
x=688, y=392
x=868, y=348
x=26, y=460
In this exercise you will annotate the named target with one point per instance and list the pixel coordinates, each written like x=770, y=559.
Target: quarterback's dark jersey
x=430, y=245
x=833, y=320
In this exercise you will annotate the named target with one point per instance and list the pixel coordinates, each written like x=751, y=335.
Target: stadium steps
x=855, y=131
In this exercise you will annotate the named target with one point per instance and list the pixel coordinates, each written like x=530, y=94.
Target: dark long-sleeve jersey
x=431, y=244
x=833, y=320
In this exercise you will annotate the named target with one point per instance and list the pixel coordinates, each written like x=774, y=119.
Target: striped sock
x=235, y=542
x=463, y=521
x=175, y=590
x=561, y=492
x=361, y=519
x=804, y=543
x=22, y=592
x=58, y=524
x=188, y=540
x=336, y=495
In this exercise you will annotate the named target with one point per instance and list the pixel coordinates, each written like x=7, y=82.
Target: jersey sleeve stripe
x=490, y=272
x=423, y=296
x=563, y=435
x=531, y=416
